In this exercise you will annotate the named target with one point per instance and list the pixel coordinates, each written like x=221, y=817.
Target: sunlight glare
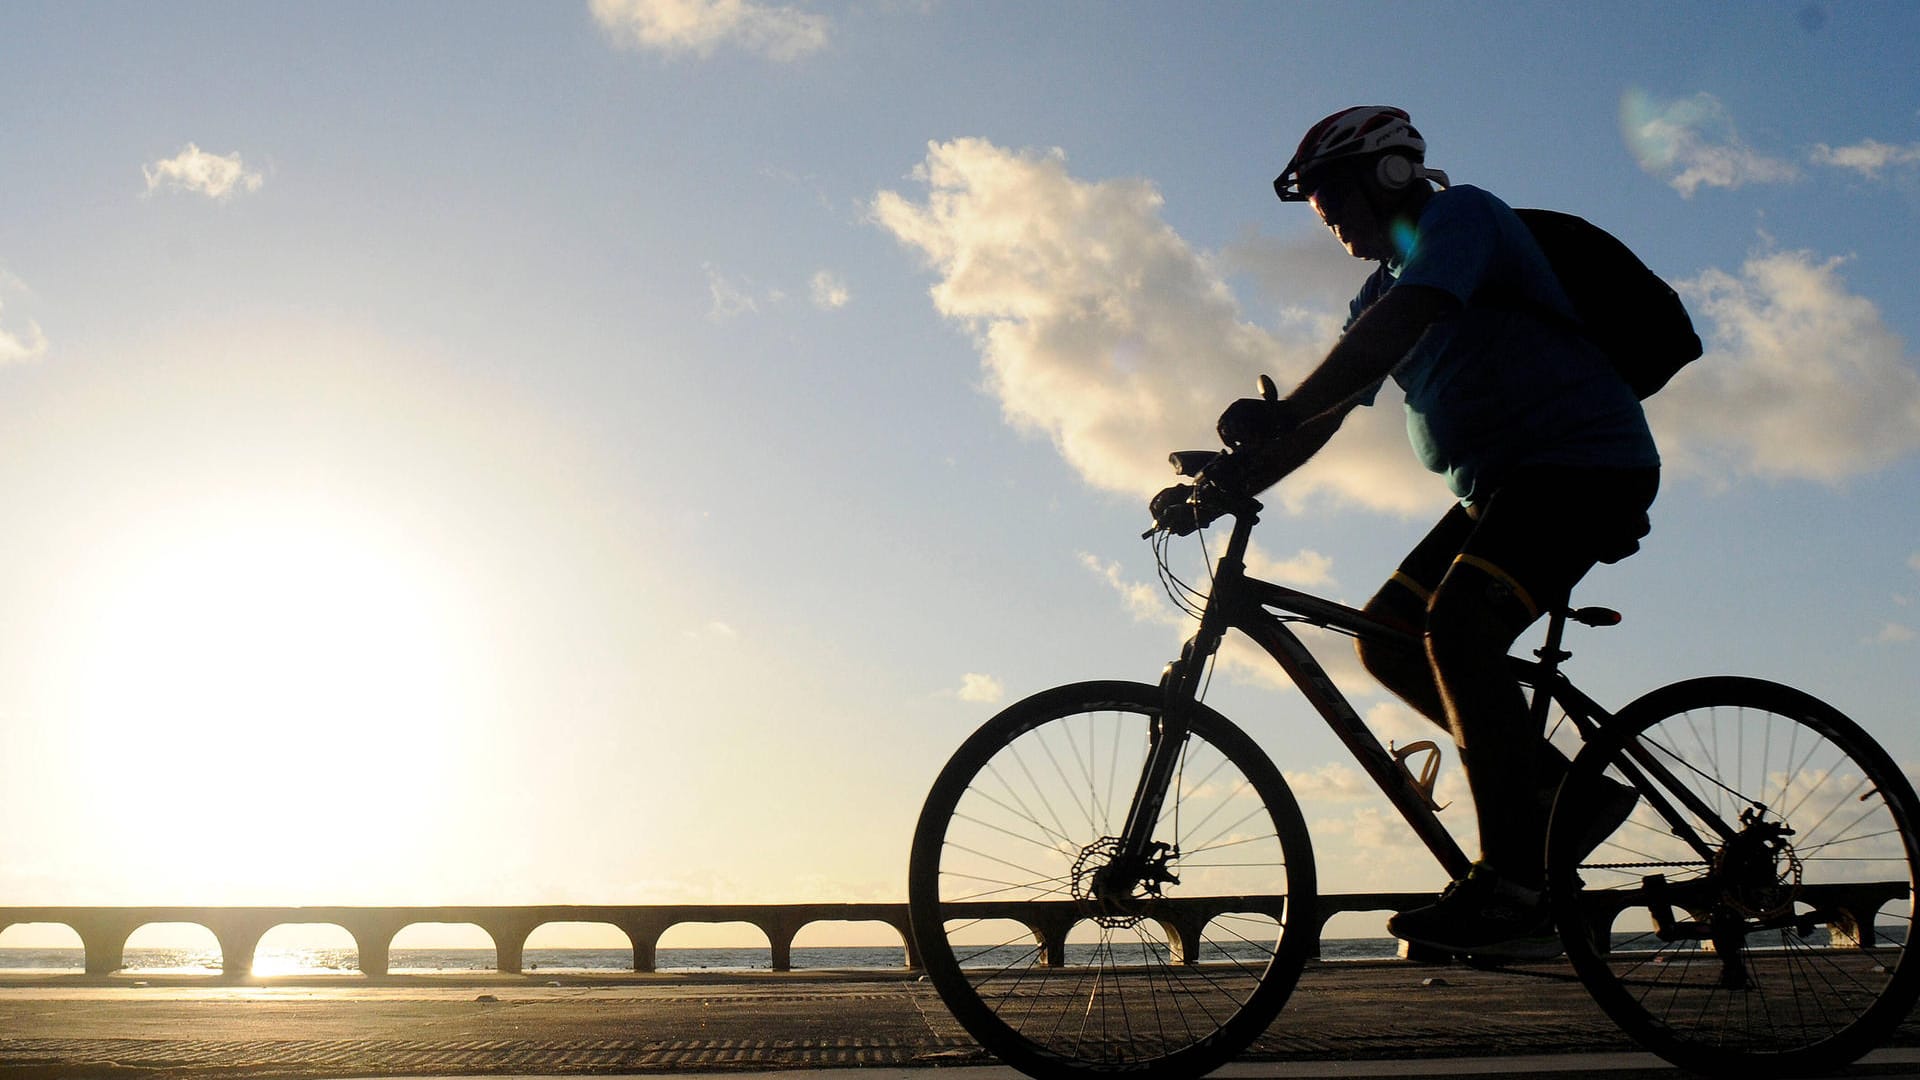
x=297, y=651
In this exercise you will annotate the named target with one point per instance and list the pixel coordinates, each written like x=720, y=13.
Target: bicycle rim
x=1054, y=982
x=1761, y=928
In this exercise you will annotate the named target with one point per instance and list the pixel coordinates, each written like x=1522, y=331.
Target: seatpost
x=1551, y=655
x=1550, y=652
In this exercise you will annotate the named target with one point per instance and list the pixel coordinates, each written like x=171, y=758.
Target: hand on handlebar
x=1174, y=510
x=1185, y=508
x=1251, y=420
x=1258, y=419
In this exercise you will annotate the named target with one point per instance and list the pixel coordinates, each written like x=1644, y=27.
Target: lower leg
x=1472, y=624
x=1503, y=760
x=1408, y=673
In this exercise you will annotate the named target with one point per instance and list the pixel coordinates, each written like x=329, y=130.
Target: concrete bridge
x=104, y=931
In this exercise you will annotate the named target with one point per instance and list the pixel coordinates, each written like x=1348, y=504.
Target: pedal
x=1429, y=769
x=1660, y=909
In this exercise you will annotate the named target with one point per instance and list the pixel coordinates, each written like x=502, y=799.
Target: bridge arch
x=325, y=946
x=820, y=934
x=41, y=938
x=555, y=939
x=697, y=935
x=453, y=935
x=182, y=947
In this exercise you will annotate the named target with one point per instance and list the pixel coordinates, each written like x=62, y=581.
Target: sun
x=269, y=675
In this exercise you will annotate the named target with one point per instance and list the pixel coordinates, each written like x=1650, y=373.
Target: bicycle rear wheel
x=1752, y=916
x=1002, y=889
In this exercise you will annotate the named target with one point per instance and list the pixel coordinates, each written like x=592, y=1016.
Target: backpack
x=1623, y=307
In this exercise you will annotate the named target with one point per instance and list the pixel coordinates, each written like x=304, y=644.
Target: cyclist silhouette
x=1544, y=444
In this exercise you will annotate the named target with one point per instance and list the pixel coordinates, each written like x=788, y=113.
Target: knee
x=1465, y=629
x=1393, y=665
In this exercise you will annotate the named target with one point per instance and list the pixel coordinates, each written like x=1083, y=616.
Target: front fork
x=1142, y=863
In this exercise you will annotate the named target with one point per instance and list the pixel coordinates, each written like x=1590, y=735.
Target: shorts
x=1539, y=533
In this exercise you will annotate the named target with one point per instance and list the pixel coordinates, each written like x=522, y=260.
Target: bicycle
x=1112, y=877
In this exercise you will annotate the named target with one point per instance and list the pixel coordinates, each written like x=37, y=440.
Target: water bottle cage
x=1429, y=769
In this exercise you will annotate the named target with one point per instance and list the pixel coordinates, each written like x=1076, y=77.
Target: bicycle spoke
x=1050, y=965
x=1787, y=947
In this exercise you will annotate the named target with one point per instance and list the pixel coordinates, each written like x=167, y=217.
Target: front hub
x=1115, y=891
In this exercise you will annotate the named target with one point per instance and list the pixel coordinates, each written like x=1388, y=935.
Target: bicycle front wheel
x=1751, y=916
x=1057, y=978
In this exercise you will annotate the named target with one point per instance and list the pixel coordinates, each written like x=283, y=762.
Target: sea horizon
x=271, y=961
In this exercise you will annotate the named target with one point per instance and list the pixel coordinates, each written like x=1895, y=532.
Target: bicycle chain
x=1638, y=865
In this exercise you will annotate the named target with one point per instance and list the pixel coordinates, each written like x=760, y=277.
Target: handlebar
x=1215, y=493
x=1217, y=487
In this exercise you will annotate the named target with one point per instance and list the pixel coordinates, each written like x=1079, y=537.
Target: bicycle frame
x=1240, y=602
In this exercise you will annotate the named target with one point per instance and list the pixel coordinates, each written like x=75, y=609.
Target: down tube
x=1292, y=655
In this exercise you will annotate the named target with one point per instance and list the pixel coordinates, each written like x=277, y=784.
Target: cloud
x=712, y=630
x=701, y=26
x=1802, y=378
x=1101, y=329
x=1394, y=721
x=829, y=291
x=194, y=170
x=1143, y=601
x=1892, y=633
x=732, y=297
x=982, y=689
x=1691, y=142
x=23, y=341
x=23, y=346
x=1305, y=570
x=1868, y=157
x=1332, y=782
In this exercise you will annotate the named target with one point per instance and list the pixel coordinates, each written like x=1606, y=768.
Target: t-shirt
x=1502, y=384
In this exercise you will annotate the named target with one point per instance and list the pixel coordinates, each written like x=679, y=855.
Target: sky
x=613, y=451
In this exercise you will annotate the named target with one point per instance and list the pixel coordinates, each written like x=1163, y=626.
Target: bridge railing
x=104, y=931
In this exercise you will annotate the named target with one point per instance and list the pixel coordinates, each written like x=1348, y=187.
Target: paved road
x=1400, y=1018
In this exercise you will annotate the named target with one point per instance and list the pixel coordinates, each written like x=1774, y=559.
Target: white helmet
x=1362, y=130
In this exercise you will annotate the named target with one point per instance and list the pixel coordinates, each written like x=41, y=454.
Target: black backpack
x=1626, y=309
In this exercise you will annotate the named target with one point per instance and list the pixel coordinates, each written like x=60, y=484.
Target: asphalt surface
x=1386, y=1018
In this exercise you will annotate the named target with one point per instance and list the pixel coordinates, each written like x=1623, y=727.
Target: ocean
x=271, y=961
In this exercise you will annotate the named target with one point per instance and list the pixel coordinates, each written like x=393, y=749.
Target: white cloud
x=1143, y=601
x=1305, y=570
x=194, y=170
x=712, y=630
x=829, y=291
x=1099, y=327
x=21, y=346
x=1394, y=721
x=731, y=296
x=1802, y=378
x=1868, y=157
x=982, y=689
x=1892, y=633
x=1691, y=142
x=1332, y=782
x=701, y=26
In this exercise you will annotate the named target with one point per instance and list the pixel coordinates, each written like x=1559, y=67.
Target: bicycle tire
x=1027, y=809
x=1819, y=837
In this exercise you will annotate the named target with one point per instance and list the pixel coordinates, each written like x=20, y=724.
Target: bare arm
x=1371, y=348
x=1366, y=354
